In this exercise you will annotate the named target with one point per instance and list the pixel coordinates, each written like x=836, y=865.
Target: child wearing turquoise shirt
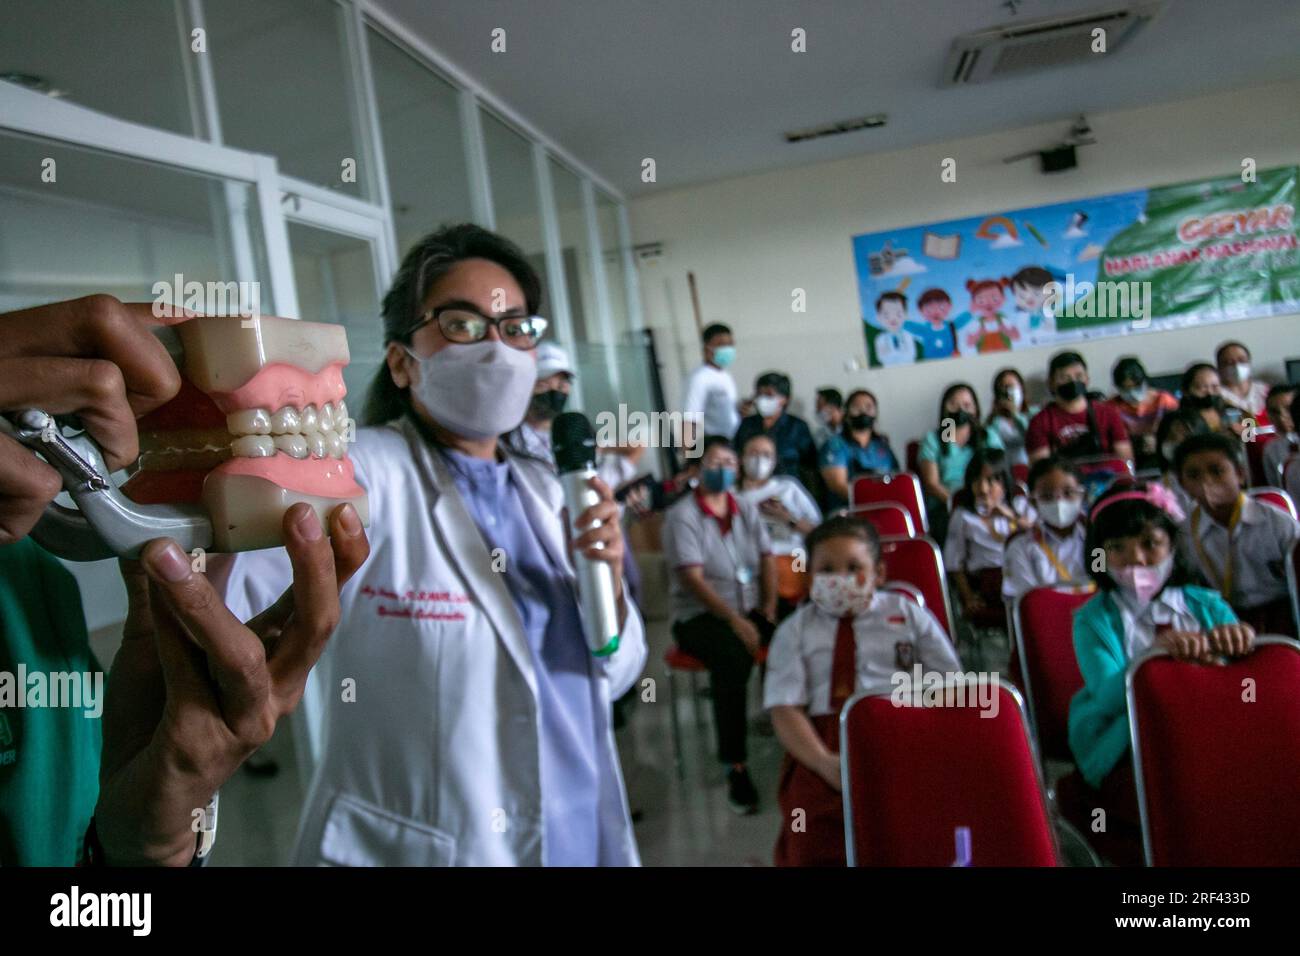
x=1143, y=602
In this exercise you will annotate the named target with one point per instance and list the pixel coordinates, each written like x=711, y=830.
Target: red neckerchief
x=724, y=521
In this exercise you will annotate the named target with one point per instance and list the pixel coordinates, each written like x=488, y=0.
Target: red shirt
x=1055, y=428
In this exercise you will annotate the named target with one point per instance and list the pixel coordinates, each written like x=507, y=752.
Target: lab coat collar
x=461, y=537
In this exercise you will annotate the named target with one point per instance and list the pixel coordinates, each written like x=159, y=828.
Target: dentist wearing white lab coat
x=463, y=719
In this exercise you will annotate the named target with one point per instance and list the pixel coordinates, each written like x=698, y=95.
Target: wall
x=753, y=239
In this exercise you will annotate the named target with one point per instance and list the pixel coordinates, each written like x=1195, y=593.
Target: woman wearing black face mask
x=946, y=451
x=1201, y=394
x=859, y=449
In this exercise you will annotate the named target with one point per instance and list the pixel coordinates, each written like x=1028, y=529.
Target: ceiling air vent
x=834, y=129
x=1040, y=44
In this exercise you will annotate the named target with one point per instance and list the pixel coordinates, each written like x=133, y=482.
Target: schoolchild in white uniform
x=849, y=637
x=1051, y=552
x=982, y=521
x=1236, y=544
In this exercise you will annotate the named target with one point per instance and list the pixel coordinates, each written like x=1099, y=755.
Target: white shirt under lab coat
x=436, y=761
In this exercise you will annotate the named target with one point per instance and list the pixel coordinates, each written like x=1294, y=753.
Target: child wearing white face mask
x=847, y=638
x=1051, y=553
x=787, y=509
x=1144, y=601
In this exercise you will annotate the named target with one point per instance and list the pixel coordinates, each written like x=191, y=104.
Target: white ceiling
x=707, y=87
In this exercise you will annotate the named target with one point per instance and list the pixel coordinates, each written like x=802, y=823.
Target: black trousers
x=711, y=639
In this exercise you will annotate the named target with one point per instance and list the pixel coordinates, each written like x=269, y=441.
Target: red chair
x=906, y=590
x=677, y=661
x=915, y=773
x=1274, y=496
x=919, y=562
x=902, y=488
x=888, y=518
x=1020, y=473
x=913, y=456
x=1042, y=623
x=1293, y=584
x=1216, y=768
x=1120, y=467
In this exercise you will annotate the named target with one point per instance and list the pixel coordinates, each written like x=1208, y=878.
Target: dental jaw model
x=259, y=425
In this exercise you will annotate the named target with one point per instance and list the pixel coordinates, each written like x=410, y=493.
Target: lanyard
x=1225, y=588
x=1062, y=572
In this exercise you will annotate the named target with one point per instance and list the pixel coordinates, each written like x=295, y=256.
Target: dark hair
x=1189, y=418
x=1064, y=360
x=1035, y=276
x=976, y=429
x=831, y=396
x=1128, y=367
x=713, y=441
x=933, y=295
x=1024, y=392
x=713, y=331
x=1128, y=519
x=994, y=458
x=844, y=526
x=1218, y=353
x=428, y=261
x=1295, y=407
x=1280, y=389
x=891, y=297
x=1190, y=374
x=776, y=380
x=750, y=437
x=846, y=431
x=1045, y=466
x=1229, y=447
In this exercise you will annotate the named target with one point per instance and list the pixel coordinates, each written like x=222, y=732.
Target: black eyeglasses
x=465, y=326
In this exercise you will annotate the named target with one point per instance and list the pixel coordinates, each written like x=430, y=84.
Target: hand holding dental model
x=192, y=691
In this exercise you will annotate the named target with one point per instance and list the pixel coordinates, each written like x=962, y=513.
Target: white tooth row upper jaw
x=307, y=433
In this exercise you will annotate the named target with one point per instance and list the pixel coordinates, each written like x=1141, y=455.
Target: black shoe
x=741, y=795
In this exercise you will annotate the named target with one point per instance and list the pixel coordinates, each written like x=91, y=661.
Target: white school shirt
x=1140, y=623
x=711, y=392
x=1027, y=565
x=803, y=649
x=790, y=492
x=1276, y=454
x=971, y=546
x=1254, y=402
x=1263, y=538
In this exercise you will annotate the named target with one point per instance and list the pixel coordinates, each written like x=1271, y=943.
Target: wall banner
x=1147, y=260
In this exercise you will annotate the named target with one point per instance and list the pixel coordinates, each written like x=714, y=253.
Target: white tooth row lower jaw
x=306, y=433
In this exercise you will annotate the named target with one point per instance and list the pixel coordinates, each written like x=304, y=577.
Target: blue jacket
x=1099, y=731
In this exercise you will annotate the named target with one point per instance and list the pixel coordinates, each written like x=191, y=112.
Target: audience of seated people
x=1193, y=564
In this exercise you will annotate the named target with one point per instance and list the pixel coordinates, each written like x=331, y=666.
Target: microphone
x=574, y=445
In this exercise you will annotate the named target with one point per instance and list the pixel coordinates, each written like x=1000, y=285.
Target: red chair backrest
x=888, y=518
x=1044, y=628
x=902, y=488
x=914, y=774
x=906, y=590
x=1116, y=466
x=1217, y=755
x=1276, y=497
x=919, y=562
x=1020, y=473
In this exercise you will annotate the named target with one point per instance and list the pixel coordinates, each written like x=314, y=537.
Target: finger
x=602, y=489
x=602, y=511
x=27, y=485
x=235, y=655
x=317, y=563
x=607, y=535
x=99, y=326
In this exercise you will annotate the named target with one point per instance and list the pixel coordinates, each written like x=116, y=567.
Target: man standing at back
x=710, y=389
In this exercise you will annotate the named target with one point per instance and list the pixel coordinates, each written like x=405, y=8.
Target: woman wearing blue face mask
x=458, y=716
x=723, y=595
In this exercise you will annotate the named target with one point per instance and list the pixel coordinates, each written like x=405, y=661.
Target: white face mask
x=759, y=467
x=1242, y=371
x=841, y=594
x=1060, y=514
x=477, y=391
x=1015, y=395
x=767, y=405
